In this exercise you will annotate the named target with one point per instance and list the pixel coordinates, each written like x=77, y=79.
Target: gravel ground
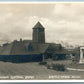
x=31, y=71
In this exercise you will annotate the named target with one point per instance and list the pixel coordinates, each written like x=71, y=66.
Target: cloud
x=69, y=11
x=69, y=20
x=62, y=22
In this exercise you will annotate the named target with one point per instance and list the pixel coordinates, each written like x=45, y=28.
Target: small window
x=41, y=30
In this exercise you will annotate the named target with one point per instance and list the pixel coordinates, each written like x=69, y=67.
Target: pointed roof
x=38, y=25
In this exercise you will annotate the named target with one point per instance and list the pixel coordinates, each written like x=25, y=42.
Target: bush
x=49, y=66
x=58, y=57
x=58, y=67
x=43, y=63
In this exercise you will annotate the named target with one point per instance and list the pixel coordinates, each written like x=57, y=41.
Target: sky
x=63, y=22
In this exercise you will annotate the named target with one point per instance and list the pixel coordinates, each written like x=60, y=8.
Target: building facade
x=29, y=50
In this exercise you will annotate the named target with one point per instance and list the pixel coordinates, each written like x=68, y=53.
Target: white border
x=28, y=2
x=34, y=81
x=37, y=81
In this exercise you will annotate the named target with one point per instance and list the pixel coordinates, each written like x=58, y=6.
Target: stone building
x=38, y=33
x=28, y=50
x=78, y=54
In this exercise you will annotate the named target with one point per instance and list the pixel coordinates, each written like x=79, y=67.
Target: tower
x=38, y=33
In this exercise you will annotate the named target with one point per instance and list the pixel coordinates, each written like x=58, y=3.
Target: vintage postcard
x=42, y=41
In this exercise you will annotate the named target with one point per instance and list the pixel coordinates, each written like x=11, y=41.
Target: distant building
x=75, y=54
x=30, y=50
x=78, y=54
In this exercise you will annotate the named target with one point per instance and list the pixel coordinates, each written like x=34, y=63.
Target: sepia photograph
x=42, y=41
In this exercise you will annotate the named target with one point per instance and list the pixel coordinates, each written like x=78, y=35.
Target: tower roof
x=38, y=25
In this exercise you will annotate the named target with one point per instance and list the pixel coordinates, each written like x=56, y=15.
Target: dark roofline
x=38, y=25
